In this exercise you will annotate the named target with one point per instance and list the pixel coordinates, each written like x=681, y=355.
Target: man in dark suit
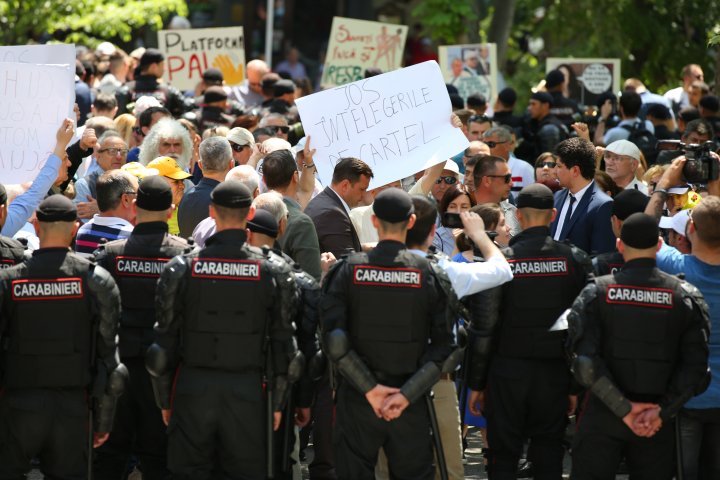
x=584, y=210
x=330, y=210
x=216, y=160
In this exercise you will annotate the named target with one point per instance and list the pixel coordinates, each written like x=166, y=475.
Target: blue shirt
x=24, y=205
x=707, y=279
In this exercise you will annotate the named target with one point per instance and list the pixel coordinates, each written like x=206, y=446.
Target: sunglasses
x=115, y=151
x=238, y=148
x=448, y=180
x=282, y=129
x=549, y=164
x=492, y=144
x=507, y=177
x=138, y=131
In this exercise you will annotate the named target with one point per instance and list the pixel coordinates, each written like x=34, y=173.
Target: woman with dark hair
x=494, y=219
x=546, y=171
x=456, y=199
x=607, y=184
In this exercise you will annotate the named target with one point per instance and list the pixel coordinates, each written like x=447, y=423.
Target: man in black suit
x=216, y=160
x=330, y=210
x=584, y=210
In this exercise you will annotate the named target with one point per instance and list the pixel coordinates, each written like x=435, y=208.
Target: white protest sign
x=188, y=53
x=56, y=53
x=34, y=100
x=587, y=78
x=397, y=122
x=472, y=69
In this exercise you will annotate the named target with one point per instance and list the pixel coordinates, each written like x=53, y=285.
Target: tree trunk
x=500, y=26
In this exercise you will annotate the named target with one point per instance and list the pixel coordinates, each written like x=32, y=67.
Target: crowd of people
x=177, y=267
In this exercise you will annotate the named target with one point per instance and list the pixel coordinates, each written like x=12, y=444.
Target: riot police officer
x=60, y=315
x=625, y=203
x=224, y=321
x=136, y=264
x=388, y=357
x=528, y=383
x=638, y=342
x=12, y=252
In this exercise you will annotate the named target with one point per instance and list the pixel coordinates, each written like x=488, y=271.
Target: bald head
x=255, y=71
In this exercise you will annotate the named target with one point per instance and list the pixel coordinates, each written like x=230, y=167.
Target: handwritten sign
x=472, y=69
x=587, y=78
x=56, y=54
x=397, y=122
x=34, y=100
x=358, y=44
x=188, y=53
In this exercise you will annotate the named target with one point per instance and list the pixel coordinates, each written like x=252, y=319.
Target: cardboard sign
x=188, y=53
x=397, y=122
x=55, y=54
x=589, y=77
x=34, y=100
x=471, y=69
x=358, y=44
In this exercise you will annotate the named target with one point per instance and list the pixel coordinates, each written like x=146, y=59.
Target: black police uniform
x=59, y=319
x=136, y=264
x=637, y=335
x=387, y=345
x=12, y=252
x=224, y=320
x=528, y=382
x=607, y=263
x=148, y=85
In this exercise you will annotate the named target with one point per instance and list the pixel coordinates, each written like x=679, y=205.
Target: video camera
x=700, y=166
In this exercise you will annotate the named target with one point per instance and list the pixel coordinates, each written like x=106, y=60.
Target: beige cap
x=241, y=136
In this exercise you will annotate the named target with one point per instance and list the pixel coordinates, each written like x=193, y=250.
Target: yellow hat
x=168, y=167
x=138, y=170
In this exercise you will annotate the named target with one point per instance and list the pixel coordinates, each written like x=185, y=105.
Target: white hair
x=246, y=175
x=165, y=129
x=273, y=203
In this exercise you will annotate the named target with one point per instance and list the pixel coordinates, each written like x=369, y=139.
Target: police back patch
x=50, y=289
x=639, y=296
x=139, y=266
x=225, y=269
x=539, y=267
x=387, y=277
x=5, y=263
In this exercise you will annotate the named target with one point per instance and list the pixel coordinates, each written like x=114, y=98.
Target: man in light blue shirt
x=22, y=208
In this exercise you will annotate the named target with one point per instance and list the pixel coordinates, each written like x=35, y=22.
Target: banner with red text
x=359, y=44
x=188, y=53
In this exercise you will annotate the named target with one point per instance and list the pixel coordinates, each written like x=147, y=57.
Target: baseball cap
x=677, y=222
x=452, y=166
x=624, y=147
x=139, y=170
x=168, y=167
x=241, y=136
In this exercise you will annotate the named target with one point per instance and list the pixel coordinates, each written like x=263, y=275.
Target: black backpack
x=644, y=140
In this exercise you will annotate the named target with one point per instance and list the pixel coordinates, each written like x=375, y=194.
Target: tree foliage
x=445, y=21
x=82, y=21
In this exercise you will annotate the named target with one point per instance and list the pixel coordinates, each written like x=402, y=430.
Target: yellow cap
x=168, y=167
x=138, y=170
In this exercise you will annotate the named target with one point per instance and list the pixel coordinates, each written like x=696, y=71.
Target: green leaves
x=444, y=20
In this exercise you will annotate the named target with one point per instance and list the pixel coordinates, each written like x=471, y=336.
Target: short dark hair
x=350, y=168
x=706, y=217
x=490, y=213
x=688, y=114
x=631, y=103
x=699, y=126
x=105, y=102
x=485, y=165
x=278, y=169
x=260, y=131
x=606, y=183
x=425, y=215
x=110, y=188
x=580, y=152
x=452, y=193
x=145, y=118
x=472, y=161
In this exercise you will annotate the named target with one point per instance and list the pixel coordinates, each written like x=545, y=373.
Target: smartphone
x=451, y=220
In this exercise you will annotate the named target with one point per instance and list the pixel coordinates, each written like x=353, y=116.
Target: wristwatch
x=661, y=191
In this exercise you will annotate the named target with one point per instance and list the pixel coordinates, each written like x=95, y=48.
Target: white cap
x=241, y=136
x=453, y=167
x=679, y=190
x=145, y=102
x=105, y=48
x=624, y=147
x=677, y=222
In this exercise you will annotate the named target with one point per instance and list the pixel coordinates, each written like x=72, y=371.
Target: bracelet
x=601, y=120
x=661, y=191
x=305, y=165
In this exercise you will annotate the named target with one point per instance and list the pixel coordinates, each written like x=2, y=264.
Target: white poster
x=56, y=54
x=34, y=100
x=472, y=69
x=188, y=53
x=397, y=122
x=587, y=78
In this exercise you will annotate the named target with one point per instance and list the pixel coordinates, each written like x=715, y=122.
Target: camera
x=700, y=166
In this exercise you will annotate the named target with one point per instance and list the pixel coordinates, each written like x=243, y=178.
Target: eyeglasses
x=507, y=177
x=449, y=180
x=115, y=151
x=549, y=164
x=237, y=147
x=492, y=144
x=138, y=131
x=280, y=128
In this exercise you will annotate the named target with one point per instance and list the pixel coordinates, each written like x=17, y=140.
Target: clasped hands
x=644, y=419
x=387, y=402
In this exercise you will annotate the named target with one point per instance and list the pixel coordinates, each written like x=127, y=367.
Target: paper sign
x=188, y=53
x=34, y=100
x=589, y=77
x=470, y=68
x=358, y=44
x=56, y=54
x=398, y=123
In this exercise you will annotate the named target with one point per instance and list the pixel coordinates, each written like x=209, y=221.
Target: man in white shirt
x=622, y=159
x=501, y=141
x=679, y=96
